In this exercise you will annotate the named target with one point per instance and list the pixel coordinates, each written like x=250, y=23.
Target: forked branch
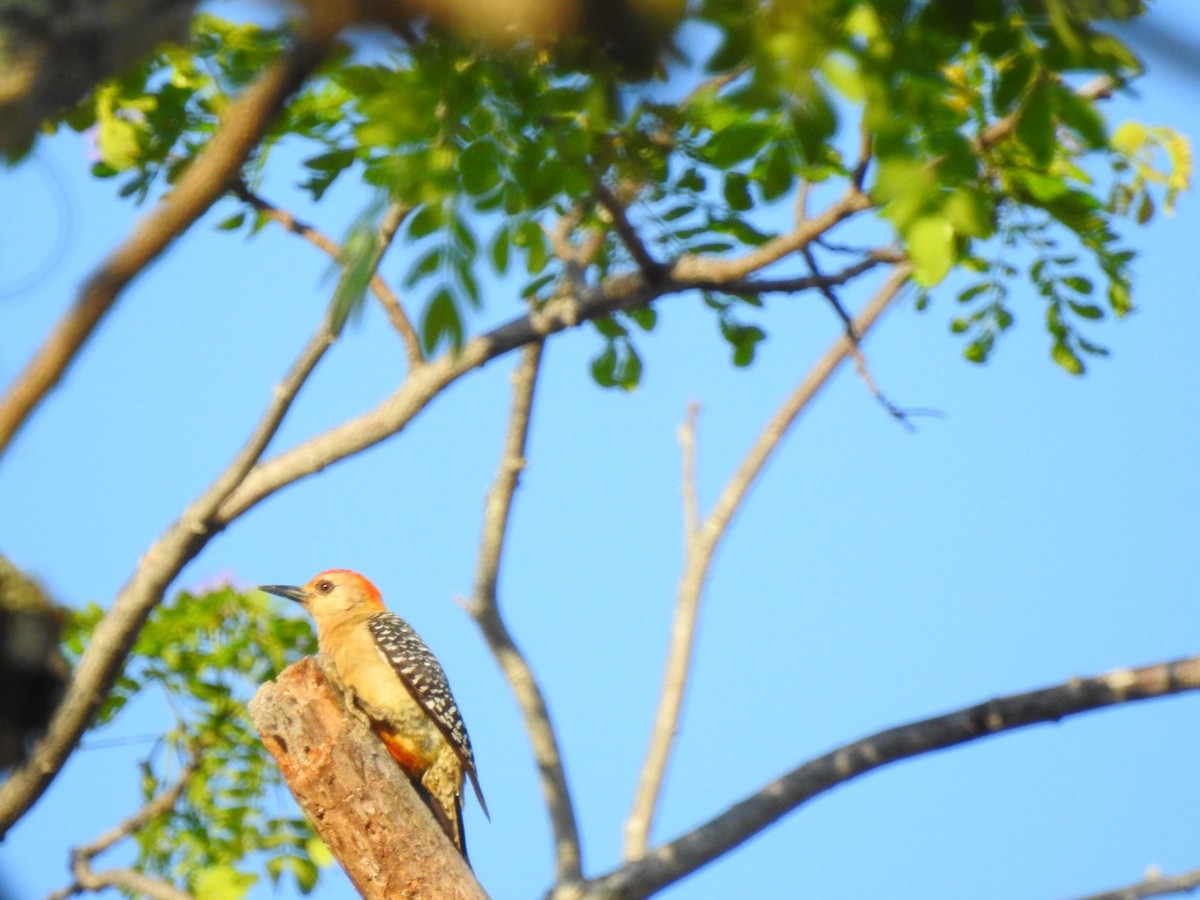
x=701, y=548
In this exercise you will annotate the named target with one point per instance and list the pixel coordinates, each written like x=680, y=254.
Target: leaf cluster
x=206, y=653
x=962, y=121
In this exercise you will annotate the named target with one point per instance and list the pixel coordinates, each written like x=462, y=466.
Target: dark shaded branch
x=633, y=242
x=825, y=286
x=670, y=862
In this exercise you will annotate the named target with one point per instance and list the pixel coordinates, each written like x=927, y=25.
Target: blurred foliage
x=490, y=149
x=206, y=654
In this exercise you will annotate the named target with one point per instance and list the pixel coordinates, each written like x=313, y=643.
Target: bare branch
x=678, y=668
x=485, y=609
x=387, y=298
x=690, y=489
x=200, y=186
x=114, y=635
x=625, y=291
x=694, y=269
x=699, y=557
x=684, y=855
x=87, y=879
x=1155, y=884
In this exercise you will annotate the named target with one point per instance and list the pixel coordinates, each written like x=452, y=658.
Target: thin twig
x=690, y=487
x=860, y=359
x=485, y=609
x=670, y=862
x=114, y=635
x=699, y=558
x=379, y=287
x=678, y=668
x=694, y=268
x=204, y=181
x=87, y=879
x=803, y=283
x=1155, y=884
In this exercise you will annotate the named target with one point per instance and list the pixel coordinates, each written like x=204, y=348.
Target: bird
x=397, y=682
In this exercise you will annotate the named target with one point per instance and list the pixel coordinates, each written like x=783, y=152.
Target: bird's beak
x=285, y=590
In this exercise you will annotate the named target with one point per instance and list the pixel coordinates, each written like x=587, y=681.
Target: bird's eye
x=324, y=586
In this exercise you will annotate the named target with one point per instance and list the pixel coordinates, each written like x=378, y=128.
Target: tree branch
x=678, y=668
x=629, y=290
x=1155, y=884
x=684, y=855
x=701, y=550
x=114, y=635
x=860, y=360
x=387, y=298
x=485, y=609
x=200, y=186
x=87, y=879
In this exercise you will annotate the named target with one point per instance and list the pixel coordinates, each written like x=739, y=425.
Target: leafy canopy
x=985, y=155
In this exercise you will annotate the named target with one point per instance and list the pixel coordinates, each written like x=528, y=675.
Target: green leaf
x=736, y=143
x=1067, y=358
x=441, y=322
x=737, y=191
x=480, y=167
x=1035, y=127
x=930, y=242
x=500, y=244
x=1086, y=310
x=223, y=883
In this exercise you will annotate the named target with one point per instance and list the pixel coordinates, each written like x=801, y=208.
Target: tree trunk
x=360, y=802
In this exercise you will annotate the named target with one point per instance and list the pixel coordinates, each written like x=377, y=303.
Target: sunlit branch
x=485, y=609
x=115, y=633
x=702, y=549
x=201, y=184
x=670, y=862
x=697, y=268
x=1154, y=884
x=678, y=668
x=379, y=287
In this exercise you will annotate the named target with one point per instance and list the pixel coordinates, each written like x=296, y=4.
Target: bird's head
x=333, y=591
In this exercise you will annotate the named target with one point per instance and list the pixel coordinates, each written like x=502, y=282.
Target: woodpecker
x=400, y=686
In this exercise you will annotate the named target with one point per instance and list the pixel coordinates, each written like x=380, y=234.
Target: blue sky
x=1043, y=527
